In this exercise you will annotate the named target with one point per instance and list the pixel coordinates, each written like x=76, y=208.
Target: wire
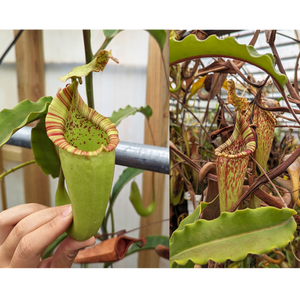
x=10, y=46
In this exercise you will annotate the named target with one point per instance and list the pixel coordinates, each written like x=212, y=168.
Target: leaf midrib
x=228, y=238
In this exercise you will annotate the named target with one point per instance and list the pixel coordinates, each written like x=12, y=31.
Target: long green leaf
x=125, y=177
x=233, y=235
x=25, y=112
x=44, y=150
x=123, y=113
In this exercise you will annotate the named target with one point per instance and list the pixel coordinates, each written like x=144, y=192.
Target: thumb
x=66, y=252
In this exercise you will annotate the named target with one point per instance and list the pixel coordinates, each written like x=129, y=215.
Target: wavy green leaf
x=44, y=151
x=22, y=114
x=194, y=216
x=191, y=48
x=233, y=235
x=123, y=113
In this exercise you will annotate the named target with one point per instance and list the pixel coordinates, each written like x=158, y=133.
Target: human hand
x=27, y=230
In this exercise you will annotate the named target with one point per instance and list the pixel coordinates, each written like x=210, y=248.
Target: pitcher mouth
x=77, y=128
x=242, y=127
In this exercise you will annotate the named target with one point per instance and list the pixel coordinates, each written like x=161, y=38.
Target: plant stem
x=105, y=220
x=112, y=222
x=2, y=183
x=88, y=58
x=280, y=197
x=3, y=195
x=16, y=168
x=195, y=118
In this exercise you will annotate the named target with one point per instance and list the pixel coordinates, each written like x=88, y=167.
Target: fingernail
x=67, y=211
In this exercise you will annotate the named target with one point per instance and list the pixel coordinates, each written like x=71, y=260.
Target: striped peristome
x=241, y=128
x=68, y=104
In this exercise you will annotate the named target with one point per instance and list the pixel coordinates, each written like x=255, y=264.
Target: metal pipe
x=146, y=157
x=139, y=156
x=21, y=138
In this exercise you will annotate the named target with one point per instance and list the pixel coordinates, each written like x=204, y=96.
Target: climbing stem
x=274, y=187
x=88, y=58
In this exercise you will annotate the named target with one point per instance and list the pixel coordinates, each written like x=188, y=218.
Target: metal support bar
x=139, y=156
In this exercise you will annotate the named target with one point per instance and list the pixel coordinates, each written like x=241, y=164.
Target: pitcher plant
x=233, y=155
x=265, y=124
x=86, y=143
x=236, y=236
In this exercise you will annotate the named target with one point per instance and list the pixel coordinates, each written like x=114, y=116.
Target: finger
x=66, y=252
x=10, y=217
x=46, y=263
x=28, y=251
x=27, y=225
